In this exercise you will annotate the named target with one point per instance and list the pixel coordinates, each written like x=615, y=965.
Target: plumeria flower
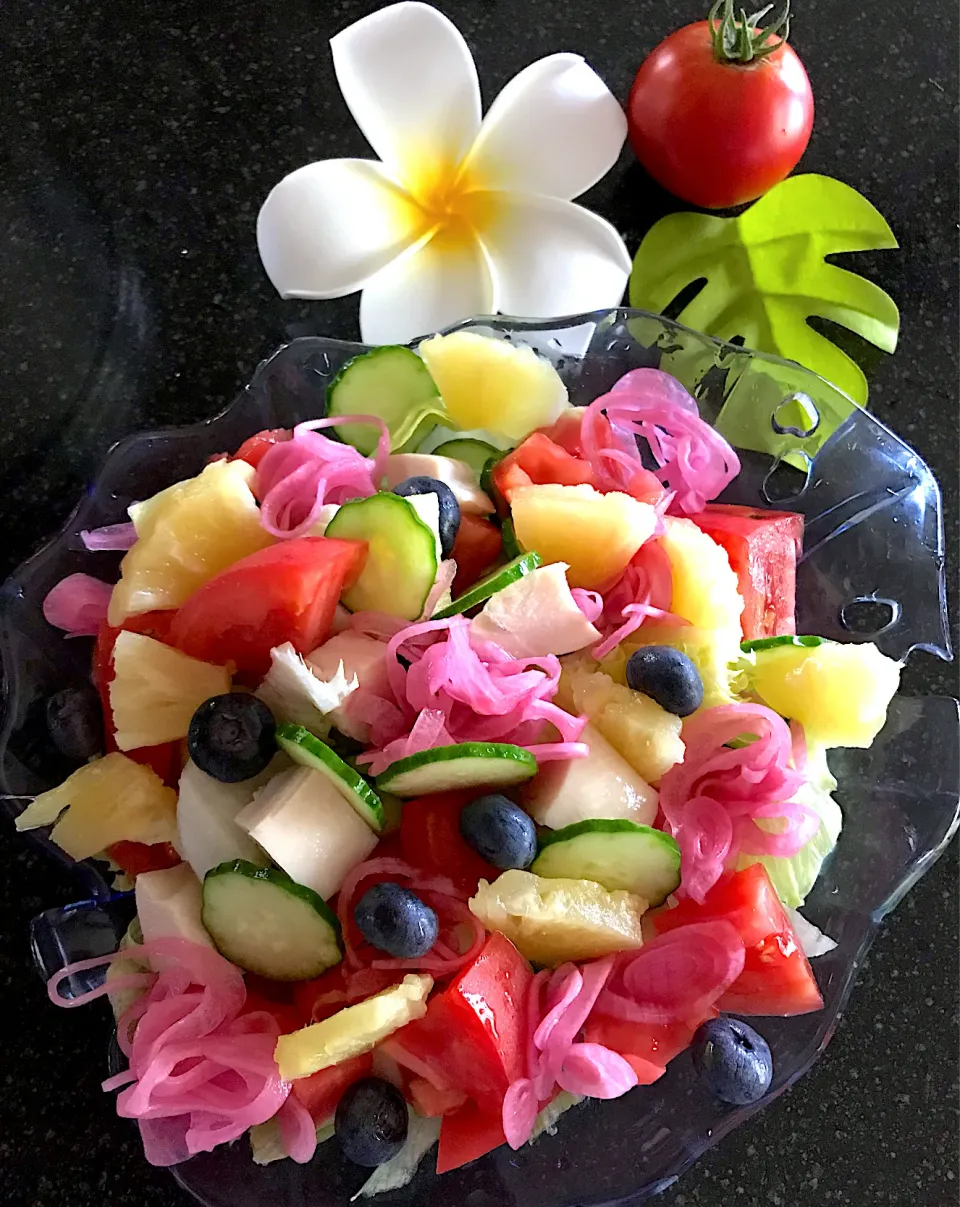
x=460, y=216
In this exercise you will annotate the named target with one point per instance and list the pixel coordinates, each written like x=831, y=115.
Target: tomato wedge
x=566, y=431
x=475, y=550
x=431, y=839
x=467, y=1134
x=138, y=857
x=538, y=461
x=320, y=1092
x=256, y=447
x=287, y=1015
x=473, y=1036
x=285, y=593
x=652, y=1044
x=777, y=978
x=433, y=1102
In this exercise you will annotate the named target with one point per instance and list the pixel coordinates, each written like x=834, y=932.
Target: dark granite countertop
x=138, y=140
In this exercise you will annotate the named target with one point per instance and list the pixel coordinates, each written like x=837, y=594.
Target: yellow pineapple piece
x=705, y=588
x=157, y=689
x=353, y=1030
x=645, y=734
x=838, y=693
x=595, y=534
x=552, y=921
x=492, y=384
x=186, y=535
x=110, y=800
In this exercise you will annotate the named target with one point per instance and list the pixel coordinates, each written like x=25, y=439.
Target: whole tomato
x=721, y=111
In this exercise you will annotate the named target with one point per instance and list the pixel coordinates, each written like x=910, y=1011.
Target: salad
x=464, y=759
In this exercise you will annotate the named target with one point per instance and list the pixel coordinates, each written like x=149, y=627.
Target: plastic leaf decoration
x=766, y=275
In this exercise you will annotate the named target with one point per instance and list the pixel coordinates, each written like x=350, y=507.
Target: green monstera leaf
x=766, y=274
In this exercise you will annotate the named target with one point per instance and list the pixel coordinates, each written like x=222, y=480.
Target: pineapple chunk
x=595, y=534
x=705, y=588
x=645, y=734
x=353, y=1030
x=553, y=921
x=838, y=693
x=492, y=384
x=110, y=800
x=157, y=689
x=186, y=535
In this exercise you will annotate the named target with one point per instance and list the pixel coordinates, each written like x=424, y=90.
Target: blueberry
x=500, y=831
x=396, y=921
x=449, y=507
x=371, y=1121
x=75, y=722
x=667, y=676
x=733, y=1061
x=231, y=737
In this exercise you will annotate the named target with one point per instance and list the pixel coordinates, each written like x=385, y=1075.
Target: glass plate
x=872, y=570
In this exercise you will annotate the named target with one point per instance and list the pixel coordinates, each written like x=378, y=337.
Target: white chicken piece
x=535, y=615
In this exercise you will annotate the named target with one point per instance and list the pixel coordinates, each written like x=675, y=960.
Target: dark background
x=137, y=141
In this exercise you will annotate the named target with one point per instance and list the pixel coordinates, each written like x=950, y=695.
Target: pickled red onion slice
x=109, y=537
x=201, y=1073
x=595, y=1072
x=713, y=801
x=667, y=982
x=520, y=1109
x=78, y=605
x=447, y=687
x=297, y=478
x=642, y=592
x=297, y=1130
x=692, y=458
x=564, y=986
x=590, y=603
x=557, y=1006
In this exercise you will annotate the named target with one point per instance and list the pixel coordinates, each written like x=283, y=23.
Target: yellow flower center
x=449, y=195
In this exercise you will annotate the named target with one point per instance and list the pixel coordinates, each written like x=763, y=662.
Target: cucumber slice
x=494, y=582
x=772, y=643
x=392, y=383
x=616, y=853
x=488, y=485
x=266, y=923
x=508, y=537
x=307, y=750
x=401, y=560
x=476, y=453
x=468, y=765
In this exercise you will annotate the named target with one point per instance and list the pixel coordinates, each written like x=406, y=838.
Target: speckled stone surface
x=138, y=140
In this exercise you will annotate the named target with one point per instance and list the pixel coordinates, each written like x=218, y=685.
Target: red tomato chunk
x=472, y=1038
x=431, y=839
x=777, y=978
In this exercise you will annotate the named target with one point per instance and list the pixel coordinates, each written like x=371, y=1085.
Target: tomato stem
x=737, y=38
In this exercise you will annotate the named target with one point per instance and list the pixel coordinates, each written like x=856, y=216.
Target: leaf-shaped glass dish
x=872, y=570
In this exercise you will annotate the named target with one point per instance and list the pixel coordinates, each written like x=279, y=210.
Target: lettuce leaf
x=793, y=877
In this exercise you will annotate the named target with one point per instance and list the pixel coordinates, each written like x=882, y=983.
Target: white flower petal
x=410, y=82
x=555, y=129
x=446, y=280
x=328, y=227
x=552, y=257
